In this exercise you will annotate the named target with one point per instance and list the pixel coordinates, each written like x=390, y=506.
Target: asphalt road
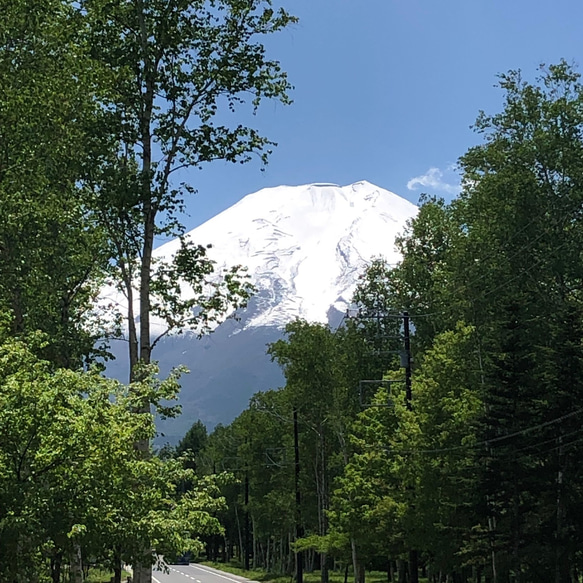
x=194, y=573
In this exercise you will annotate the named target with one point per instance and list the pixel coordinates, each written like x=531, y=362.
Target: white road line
x=217, y=574
x=154, y=579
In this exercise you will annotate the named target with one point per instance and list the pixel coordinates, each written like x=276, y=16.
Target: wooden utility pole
x=407, y=341
x=413, y=555
x=299, y=529
x=247, y=537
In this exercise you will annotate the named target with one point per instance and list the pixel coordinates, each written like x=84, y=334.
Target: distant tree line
x=478, y=478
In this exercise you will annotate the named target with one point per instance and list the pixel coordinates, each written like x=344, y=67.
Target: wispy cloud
x=435, y=179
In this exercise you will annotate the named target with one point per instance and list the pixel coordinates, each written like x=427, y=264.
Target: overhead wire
x=551, y=440
x=520, y=273
x=491, y=441
x=487, y=292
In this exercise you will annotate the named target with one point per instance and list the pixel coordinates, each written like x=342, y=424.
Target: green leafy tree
x=528, y=176
x=193, y=443
x=480, y=471
x=308, y=359
x=181, y=70
x=68, y=470
x=51, y=252
x=504, y=257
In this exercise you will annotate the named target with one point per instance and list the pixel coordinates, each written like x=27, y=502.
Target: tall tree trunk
x=299, y=528
x=324, y=572
x=132, y=331
x=562, y=563
x=281, y=557
x=356, y=564
x=493, y=561
x=267, y=554
x=76, y=565
x=143, y=571
x=117, y=565
x=413, y=566
x=56, y=562
x=241, y=545
x=402, y=568
x=145, y=276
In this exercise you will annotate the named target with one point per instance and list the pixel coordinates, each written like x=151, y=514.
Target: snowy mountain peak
x=303, y=245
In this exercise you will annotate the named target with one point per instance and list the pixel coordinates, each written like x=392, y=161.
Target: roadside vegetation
x=312, y=577
x=102, y=576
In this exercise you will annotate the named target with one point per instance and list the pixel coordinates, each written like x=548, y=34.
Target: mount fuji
x=304, y=247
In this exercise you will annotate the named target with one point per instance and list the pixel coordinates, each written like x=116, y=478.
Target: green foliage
x=194, y=441
x=70, y=474
x=101, y=105
x=51, y=251
x=103, y=576
x=505, y=258
x=181, y=70
x=481, y=472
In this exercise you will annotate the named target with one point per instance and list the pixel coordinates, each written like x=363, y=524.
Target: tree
x=51, y=252
x=92, y=93
x=528, y=173
x=193, y=443
x=179, y=67
x=480, y=470
x=309, y=361
x=504, y=258
x=68, y=464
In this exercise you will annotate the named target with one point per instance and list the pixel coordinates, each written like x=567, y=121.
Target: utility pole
x=247, y=537
x=413, y=555
x=407, y=341
x=299, y=529
x=234, y=464
x=406, y=364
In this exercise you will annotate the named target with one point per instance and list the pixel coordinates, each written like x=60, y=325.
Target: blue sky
x=386, y=91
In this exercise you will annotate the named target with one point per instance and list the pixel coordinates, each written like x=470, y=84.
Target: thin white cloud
x=435, y=180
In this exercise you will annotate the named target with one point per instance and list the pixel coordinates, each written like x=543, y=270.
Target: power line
x=488, y=441
x=487, y=292
x=519, y=274
x=552, y=440
x=481, y=296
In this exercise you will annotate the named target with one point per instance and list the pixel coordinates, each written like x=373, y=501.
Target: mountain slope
x=304, y=247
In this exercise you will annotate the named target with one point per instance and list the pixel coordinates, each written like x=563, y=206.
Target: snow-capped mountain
x=304, y=247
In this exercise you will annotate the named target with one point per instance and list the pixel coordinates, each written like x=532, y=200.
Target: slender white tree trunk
x=77, y=565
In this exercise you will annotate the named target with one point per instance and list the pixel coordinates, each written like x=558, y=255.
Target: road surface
x=194, y=573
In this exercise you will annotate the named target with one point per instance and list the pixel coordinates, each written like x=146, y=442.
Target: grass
x=314, y=577
x=102, y=576
x=253, y=574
